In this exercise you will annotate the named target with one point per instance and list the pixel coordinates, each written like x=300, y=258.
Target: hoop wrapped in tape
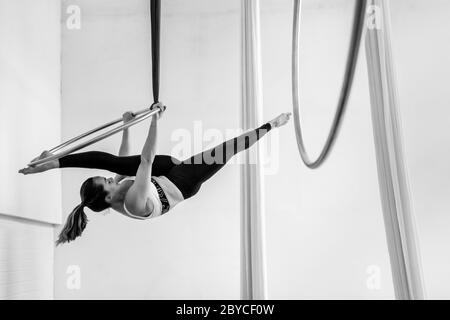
x=140, y=116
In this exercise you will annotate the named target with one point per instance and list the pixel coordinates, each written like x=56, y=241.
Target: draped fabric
x=253, y=269
x=155, y=15
x=392, y=174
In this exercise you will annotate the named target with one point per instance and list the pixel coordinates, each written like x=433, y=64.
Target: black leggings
x=187, y=175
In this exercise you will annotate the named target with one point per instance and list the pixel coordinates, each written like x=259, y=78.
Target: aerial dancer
x=145, y=185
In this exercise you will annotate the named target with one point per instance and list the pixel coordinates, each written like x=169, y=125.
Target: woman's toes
x=25, y=170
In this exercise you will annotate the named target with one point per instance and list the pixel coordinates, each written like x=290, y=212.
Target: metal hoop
x=352, y=58
x=141, y=116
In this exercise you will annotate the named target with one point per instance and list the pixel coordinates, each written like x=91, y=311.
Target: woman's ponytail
x=92, y=196
x=75, y=224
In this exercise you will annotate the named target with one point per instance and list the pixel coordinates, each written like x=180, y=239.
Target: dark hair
x=92, y=196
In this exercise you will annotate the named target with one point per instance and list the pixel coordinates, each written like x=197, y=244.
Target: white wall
x=421, y=31
x=29, y=122
x=329, y=231
x=26, y=259
x=192, y=252
x=324, y=227
x=29, y=105
x=325, y=233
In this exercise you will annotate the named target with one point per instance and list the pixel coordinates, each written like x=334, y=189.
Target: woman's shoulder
x=137, y=206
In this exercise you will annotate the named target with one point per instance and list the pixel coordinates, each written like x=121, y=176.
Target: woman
x=146, y=185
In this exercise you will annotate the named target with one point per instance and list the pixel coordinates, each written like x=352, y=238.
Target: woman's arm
x=137, y=199
x=124, y=149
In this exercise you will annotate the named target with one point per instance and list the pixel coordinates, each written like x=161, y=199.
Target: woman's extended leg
x=126, y=166
x=191, y=173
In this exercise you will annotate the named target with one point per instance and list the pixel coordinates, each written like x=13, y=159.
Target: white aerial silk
x=392, y=174
x=253, y=268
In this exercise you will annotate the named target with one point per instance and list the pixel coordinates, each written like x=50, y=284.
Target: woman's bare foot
x=43, y=167
x=281, y=120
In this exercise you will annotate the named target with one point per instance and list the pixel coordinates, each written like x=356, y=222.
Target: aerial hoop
x=155, y=23
x=352, y=58
x=140, y=116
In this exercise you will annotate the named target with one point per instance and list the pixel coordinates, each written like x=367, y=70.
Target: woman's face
x=109, y=185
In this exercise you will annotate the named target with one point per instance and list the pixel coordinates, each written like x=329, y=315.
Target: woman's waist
x=168, y=193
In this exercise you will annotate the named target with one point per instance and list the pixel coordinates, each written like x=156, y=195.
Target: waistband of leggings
x=162, y=196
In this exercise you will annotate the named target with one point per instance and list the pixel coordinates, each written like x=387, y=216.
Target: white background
x=29, y=106
x=30, y=90
x=324, y=227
